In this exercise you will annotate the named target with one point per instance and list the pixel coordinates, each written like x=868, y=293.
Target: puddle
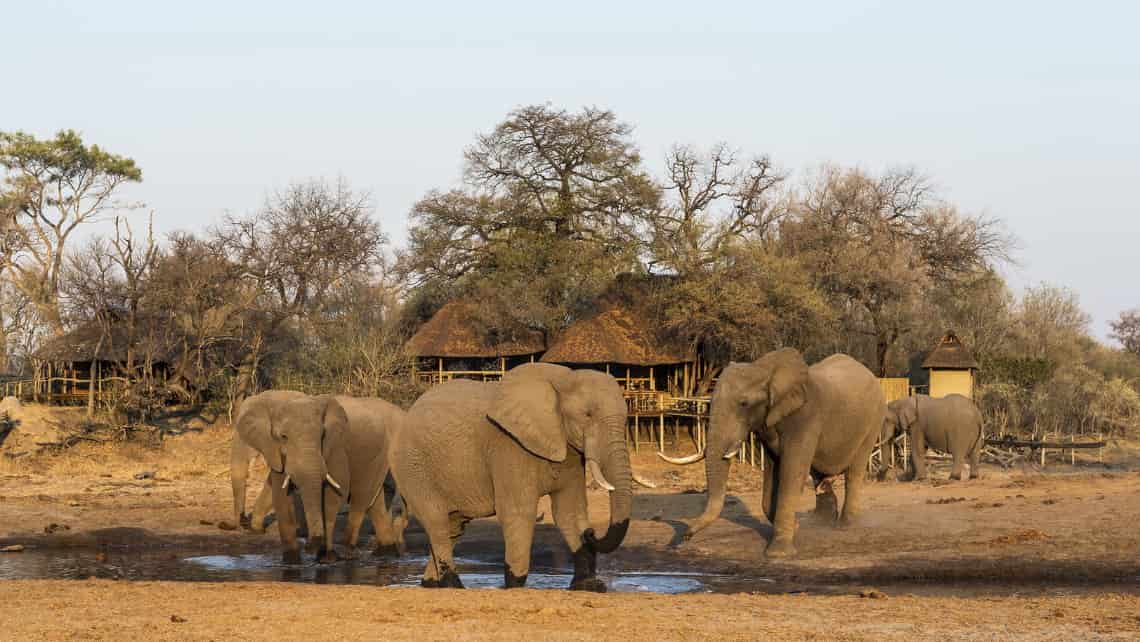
x=406, y=572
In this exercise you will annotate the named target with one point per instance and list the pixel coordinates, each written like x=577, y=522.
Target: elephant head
x=553, y=412
x=305, y=439
x=749, y=397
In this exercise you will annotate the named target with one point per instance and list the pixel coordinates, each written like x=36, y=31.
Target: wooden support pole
x=661, y=430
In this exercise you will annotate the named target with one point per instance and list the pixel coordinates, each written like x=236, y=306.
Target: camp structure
x=616, y=341
x=951, y=368
x=455, y=344
x=92, y=360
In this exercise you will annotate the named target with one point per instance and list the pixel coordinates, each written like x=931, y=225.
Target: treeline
x=555, y=209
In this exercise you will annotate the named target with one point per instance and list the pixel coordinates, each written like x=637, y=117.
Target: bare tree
x=1126, y=330
x=55, y=186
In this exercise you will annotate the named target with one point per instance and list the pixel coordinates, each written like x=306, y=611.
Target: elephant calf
x=950, y=424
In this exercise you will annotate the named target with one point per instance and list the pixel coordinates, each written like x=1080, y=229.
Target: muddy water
x=169, y=565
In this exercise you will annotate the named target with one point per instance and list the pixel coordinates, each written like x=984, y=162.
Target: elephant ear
x=334, y=441
x=255, y=428
x=787, y=387
x=528, y=410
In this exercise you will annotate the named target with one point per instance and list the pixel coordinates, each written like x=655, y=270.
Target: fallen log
x=1010, y=442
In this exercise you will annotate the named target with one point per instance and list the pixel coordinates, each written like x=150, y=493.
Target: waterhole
x=406, y=572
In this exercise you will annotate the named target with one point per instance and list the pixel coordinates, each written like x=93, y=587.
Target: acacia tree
x=54, y=186
x=552, y=211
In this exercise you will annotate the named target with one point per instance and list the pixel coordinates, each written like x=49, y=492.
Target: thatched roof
x=950, y=354
x=614, y=335
x=456, y=331
x=80, y=344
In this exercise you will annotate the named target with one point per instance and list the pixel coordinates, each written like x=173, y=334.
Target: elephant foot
x=227, y=526
x=846, y=521
x=314, y=545
x=246, y=522
x=386, y=550
x=328, y=557
x=593, y=584
x=510, y=580
x=450, y=579
x=291, y=557
x=956, y=476
x=780, y=549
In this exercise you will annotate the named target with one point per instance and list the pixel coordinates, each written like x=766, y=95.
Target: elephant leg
x=261, y=509
x=518, y=535
x=958, y=467
x=918, y=455
x=770, y=492
x=389, y=542
x=286, y=520
x=976, y=460
x=568, y=507
x=795, y=465
x=440, y=572
x=352, y=526
x=855, y=483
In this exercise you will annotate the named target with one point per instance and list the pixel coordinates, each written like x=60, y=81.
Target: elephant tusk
x=643, y=481
x=285, y=485
x=331, y=481
x=683, y=461
x=596, y=471
x=734, y=452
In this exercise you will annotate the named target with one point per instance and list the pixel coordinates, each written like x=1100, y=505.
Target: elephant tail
x=980, y=442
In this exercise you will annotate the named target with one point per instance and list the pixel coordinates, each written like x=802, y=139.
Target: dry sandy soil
x=1017, y=555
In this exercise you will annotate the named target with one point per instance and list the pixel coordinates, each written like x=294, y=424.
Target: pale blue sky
x=1027, y=111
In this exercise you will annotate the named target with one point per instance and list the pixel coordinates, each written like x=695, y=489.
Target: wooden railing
x=63, y=389
x=432, y=377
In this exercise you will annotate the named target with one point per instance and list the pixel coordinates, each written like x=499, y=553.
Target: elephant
x=950, y=424
x=329, y=450
x=472, y=449
x=821, y=420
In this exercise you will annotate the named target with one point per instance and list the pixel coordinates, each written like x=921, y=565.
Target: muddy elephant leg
x=389, y=539
x=352, y=528
x=286, y=520
x=440, y=571
x=568, y=507
x=918, y=455
x=795, y=464
x=518, y=535
x=770, y=493
x=261, y=508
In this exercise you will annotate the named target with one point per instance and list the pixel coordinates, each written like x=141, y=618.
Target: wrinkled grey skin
x=470, y=450
x=950, y=424
x=309, y=440
x=823, y=420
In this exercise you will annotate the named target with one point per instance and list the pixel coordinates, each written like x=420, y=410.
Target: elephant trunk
x=308, y=475
x=717, y=466
x=616, y=468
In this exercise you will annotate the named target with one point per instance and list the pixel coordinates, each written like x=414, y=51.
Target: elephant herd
x=467, y=450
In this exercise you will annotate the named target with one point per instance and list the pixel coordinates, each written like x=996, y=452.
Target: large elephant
x=328, y=450
x=823, y=421
x=472, y=450
x=949, y=424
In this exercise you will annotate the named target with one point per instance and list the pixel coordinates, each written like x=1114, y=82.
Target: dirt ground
x=1020, y=554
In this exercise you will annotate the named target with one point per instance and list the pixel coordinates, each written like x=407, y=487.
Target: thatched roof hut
x=615, y=336
x=455, y=331
x=950, y=354
x=89, y=343
x=951, y=367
